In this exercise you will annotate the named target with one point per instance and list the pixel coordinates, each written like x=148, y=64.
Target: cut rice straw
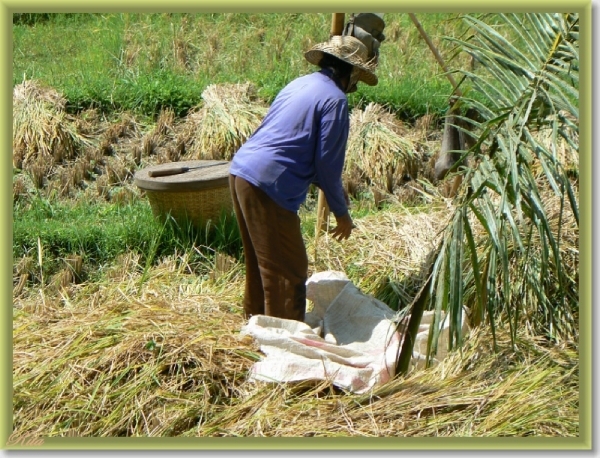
x=42, y=130
x=378, y=150
x=229, y=114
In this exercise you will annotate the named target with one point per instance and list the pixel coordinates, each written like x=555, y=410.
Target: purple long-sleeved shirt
x=302, y=140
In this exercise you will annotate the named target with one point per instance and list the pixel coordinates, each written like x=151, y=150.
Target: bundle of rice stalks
x=42, y=131
x=378, y=152
x=229, y=114
x=30, y=90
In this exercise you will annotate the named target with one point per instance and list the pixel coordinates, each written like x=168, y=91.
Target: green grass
x=99, y=233
x=144, y=62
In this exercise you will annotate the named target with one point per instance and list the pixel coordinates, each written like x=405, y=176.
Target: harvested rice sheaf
x=229, y=114
x=42, y=130
x=379, y=151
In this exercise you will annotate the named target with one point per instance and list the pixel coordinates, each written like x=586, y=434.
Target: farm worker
x=301, y=141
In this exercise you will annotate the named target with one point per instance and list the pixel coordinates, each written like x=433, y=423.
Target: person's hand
x=344, y=227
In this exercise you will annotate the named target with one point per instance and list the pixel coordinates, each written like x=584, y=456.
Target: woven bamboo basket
x=199, y=195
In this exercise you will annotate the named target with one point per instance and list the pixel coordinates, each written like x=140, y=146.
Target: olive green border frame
x=583, y=442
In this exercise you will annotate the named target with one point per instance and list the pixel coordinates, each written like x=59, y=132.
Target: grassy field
x=126, y=326
x=145, y=62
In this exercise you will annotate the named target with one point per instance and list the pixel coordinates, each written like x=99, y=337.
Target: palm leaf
x=503, y=252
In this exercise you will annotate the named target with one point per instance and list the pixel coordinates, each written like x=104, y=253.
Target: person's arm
x=329, y=159
x=330, y=154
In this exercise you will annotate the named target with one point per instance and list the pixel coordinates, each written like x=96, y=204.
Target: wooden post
x=337, y=23
x=337, y=27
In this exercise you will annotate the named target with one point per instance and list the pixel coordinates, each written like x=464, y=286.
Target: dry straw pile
x=229, y=114
x=124, y=359
x=482, y=394
x=43, y=133
x=379, y=153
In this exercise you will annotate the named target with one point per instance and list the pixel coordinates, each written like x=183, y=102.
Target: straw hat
x=348, y=49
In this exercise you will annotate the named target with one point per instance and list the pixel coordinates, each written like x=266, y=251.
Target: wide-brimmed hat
x=350, y=50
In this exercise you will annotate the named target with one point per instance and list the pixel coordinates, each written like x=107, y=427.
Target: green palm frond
x=510, y=254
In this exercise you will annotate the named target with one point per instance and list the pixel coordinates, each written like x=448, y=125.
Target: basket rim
x=193, y=180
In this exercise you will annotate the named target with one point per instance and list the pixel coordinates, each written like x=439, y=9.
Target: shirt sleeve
x=330, y=153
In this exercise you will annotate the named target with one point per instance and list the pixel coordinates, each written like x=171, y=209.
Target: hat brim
x=365, y=75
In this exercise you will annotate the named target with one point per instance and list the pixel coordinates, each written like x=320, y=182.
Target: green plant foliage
x=517, y=272
x=101, y=232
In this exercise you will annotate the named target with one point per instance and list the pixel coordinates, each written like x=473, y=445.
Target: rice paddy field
x=127, y=327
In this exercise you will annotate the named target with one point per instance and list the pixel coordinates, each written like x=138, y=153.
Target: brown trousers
x=274, y=252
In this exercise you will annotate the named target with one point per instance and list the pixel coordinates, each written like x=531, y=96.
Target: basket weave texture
x=197, y=196
x=197, y=207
